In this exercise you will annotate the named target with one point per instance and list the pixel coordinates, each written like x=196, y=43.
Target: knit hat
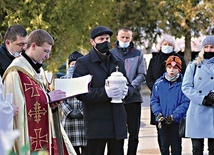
x=74, y=56
x=174, y=61
x=208, y=40
x=100, y=30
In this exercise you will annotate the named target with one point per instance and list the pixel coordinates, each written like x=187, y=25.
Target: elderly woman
x=157, y=65
x=198, y=86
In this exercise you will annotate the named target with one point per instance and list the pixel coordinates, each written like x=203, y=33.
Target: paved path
x=148, y=135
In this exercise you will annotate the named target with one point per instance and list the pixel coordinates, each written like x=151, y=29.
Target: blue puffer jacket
x=167, y=98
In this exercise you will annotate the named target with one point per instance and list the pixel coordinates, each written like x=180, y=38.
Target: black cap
x=74, y=56
x=100, y=30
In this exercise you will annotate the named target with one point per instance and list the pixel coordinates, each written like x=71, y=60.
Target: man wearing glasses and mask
x=15, y=40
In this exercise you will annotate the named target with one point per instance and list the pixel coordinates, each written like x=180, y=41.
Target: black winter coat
x=5, y=59
x=157, y=67
x=103, y=119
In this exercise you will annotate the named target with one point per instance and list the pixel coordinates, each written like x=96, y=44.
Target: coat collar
x=5, y=50
x=96, y=59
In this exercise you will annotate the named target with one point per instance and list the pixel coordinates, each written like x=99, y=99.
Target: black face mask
x=208, y=55
x=103, y=47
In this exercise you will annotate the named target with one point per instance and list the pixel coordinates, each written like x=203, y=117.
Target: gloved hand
x=169, y=119
x=160, y=119
x=76, y=114
x=112, y=92
x=209, y=99
x=125, y=91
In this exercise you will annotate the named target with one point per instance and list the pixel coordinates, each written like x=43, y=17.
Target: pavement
x=148, y=144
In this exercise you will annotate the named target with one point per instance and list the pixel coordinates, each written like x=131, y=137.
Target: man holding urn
x=105, y=121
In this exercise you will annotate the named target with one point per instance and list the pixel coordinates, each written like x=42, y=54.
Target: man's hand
x=55, y=104
x=56, y=95
x=113, y=92
x=125, y=91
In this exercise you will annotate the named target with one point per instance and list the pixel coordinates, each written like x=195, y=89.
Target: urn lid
x=116, y=73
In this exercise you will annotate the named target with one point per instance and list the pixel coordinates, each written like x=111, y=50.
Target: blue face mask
x=16, y=54
x=70, y=72
x=124, y=45
x=167, y=49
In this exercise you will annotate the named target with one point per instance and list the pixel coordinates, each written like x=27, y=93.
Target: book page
x=73, y=86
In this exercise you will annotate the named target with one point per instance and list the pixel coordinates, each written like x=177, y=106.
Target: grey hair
x=168, y=38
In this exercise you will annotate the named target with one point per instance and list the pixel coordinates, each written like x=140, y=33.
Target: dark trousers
x=97, y=146
x=133, y=111
x=154, y=122
x=198, y=146
x=169, y=136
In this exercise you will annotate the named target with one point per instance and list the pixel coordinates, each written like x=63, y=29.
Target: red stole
x=37, y=113
x=37, y=116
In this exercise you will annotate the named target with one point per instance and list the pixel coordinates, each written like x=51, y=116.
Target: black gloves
x=169, y=119
x=209, y=99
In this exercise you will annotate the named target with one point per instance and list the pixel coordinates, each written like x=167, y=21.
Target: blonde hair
x=200, y=56
x=208, y=40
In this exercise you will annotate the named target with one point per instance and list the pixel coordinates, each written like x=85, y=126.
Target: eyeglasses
x=21, y=44
x=45, y=50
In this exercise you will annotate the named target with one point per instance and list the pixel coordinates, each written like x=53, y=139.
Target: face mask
x=208, y=55
x=70, y=71
x=16, y=54
x=103, y=47
x=167, y=49
x=124, y=45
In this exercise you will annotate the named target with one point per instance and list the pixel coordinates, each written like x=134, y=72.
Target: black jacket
x=157, y=67
x=103, y=119
x=5, y=59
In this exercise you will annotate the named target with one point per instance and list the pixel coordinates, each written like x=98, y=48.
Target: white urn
x=117, y=79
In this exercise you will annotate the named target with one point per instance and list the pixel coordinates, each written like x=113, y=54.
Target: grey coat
x=135, y=68
x=200, y=118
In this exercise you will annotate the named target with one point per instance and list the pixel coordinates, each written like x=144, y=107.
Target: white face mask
x=167, y=49
x=124, y=45
x=70, y=71
x=16, y=54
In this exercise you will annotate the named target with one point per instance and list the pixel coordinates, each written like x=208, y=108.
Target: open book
x=73, y=86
